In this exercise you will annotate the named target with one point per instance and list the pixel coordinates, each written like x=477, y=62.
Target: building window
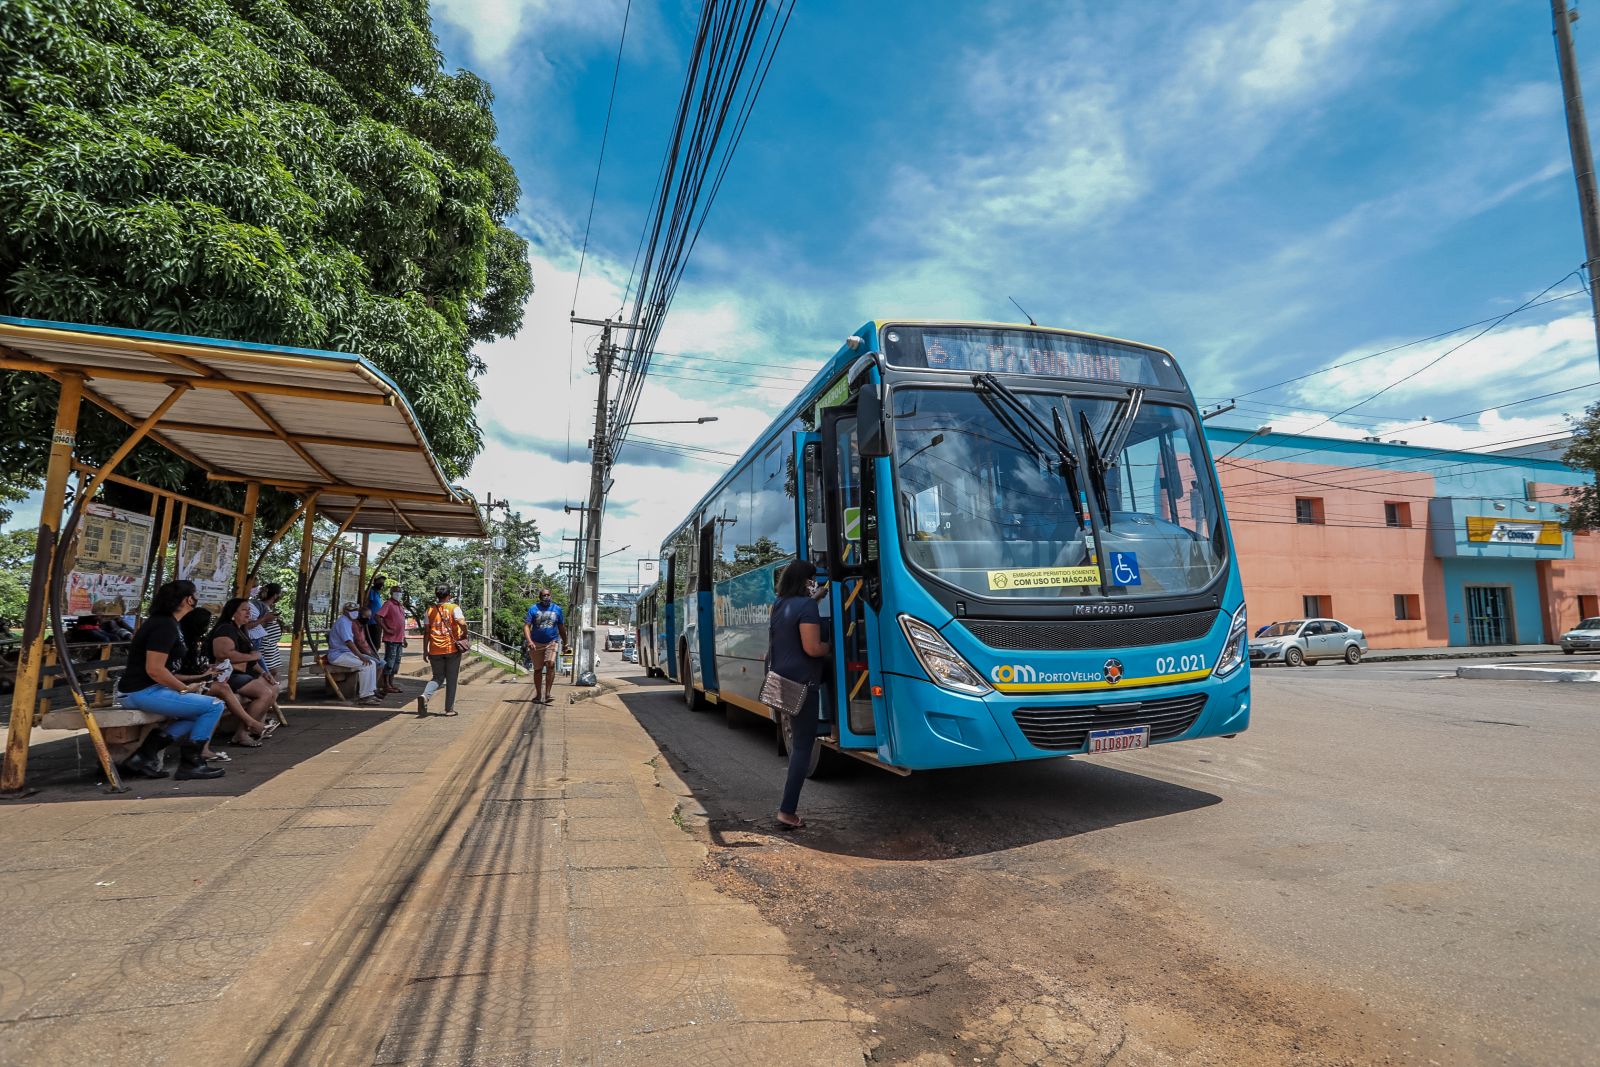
x=1396, y=513
x=1588, y=605
x=1407, y=606
x=1317, y=606
x=1308, y=509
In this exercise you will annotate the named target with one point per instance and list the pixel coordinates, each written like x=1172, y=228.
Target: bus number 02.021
x=1179, y=664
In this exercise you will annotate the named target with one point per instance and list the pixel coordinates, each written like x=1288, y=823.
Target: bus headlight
x=942, y=663
x=1234, y=649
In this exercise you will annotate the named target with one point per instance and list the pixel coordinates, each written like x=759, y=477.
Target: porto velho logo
x=1023, y=674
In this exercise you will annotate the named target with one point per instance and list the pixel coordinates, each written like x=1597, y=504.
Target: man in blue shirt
x=544, y=632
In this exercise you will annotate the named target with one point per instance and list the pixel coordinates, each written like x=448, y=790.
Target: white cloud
x=1509, y=363
x=494, y=27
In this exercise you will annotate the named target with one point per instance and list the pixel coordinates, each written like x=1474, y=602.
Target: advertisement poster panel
x=206, y=559
x=113, y=555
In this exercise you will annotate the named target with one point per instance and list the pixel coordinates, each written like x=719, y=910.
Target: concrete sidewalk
x=1393, y=655
x=510, y=886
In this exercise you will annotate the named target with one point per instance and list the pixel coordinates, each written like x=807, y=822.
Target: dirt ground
x=1063, y=963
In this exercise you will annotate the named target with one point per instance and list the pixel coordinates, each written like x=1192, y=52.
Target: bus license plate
x=1119, y=740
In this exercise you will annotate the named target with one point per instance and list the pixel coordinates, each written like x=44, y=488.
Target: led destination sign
x=980, y=350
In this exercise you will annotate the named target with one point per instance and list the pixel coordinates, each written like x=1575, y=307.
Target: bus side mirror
x=872, y=435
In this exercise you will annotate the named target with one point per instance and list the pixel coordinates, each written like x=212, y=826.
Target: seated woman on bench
x=148, y=685
x=196, y=666
x=228, y=644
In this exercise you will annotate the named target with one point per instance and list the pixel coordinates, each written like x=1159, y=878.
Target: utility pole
x=1582, y=159
x=493, y=544
x=584, y=662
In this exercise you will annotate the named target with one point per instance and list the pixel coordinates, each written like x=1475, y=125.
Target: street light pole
x=1582, y=159
x=599, y=483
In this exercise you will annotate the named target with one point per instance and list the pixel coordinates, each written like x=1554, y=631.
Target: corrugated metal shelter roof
x=294, y=418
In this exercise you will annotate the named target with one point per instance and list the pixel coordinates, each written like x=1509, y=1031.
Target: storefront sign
x=1486, y=528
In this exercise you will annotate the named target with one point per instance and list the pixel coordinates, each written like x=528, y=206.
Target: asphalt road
x=1391, y=863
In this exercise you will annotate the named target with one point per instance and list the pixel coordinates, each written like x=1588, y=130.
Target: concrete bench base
x=108, y=718
x=1529, y=674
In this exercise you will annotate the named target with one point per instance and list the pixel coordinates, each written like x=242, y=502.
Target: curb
x=1533, y=674
x=604, y=686
x=1384, y=657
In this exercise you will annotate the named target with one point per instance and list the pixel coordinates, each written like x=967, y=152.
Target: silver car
x=1584, y=637
x=1306, y=641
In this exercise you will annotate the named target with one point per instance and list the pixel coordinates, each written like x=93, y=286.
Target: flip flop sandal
x=451, y=714
x=246, y=742
x=789, y=827
x=270, y=728
x=219, y=757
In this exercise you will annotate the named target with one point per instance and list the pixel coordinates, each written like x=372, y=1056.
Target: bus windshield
x=989, y=510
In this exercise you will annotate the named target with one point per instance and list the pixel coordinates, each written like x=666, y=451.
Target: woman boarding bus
x=1026, y=551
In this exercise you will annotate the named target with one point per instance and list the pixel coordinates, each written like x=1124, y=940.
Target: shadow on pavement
x=67, y=770
x=737, y=777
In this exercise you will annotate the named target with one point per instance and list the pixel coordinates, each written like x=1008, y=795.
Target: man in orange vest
x=444, y=642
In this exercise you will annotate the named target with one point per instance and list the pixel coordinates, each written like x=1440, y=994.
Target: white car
x=1584, y=637
x=1306, y=641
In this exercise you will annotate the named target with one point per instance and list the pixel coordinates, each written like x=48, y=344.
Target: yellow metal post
x=241, y=565
x=302, y=595
x=361, y=596
x=15, y=771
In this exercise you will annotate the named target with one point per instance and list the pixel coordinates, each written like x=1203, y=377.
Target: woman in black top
x=197, y=666
x=148, y=684
x=798, y=653
x=229, y=643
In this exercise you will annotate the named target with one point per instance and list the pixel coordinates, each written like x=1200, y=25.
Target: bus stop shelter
x=328, y=427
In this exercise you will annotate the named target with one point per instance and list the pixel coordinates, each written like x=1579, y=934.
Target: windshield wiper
x=1097, y=466
x=1059, y=444
x=1106, y=452
x=1121, y=423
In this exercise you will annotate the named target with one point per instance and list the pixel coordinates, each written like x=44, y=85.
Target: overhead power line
x=733, y=52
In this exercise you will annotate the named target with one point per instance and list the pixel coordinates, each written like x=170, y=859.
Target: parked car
x=1584, y=637
x=1306, y=641
x=630, y=653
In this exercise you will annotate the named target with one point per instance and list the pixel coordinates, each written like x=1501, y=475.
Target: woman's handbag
x=784, y=694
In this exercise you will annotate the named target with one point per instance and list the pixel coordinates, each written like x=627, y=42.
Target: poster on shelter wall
x=320, y=597
x=113, y=553
x=206, y=559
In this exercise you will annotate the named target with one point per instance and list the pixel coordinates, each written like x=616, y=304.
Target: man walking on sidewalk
x=544, y=633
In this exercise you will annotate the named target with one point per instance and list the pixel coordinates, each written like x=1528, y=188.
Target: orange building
x=1415, y=546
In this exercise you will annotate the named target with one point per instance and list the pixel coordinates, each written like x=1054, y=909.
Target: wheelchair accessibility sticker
x=1123, y=568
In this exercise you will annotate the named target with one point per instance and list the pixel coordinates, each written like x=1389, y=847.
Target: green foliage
x=298, y=172
x=16, y=571
x=420, y=564
x=1583, y=513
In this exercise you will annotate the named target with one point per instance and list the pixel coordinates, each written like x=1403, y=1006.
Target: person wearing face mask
x=344, y=652
x=544, y=633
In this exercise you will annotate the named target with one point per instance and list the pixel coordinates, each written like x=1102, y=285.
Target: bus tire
x=693, y=699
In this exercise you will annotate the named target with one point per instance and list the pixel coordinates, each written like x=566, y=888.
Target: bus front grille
x=1067, y=634
x=1063, y=729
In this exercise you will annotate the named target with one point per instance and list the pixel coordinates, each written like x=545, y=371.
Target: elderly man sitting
x=344, y=650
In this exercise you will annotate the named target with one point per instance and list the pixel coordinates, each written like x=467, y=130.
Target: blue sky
x=1264, y=188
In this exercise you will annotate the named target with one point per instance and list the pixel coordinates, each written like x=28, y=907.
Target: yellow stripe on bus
x=1126, y=683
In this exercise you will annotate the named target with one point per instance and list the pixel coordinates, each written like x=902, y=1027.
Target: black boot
x=146, y=761
x=192, y=762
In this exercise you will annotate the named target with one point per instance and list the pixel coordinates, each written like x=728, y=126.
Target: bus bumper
x=952, y=730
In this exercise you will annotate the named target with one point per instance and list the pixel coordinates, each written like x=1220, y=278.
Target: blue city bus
x=652, y=641
x=1026, y=551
